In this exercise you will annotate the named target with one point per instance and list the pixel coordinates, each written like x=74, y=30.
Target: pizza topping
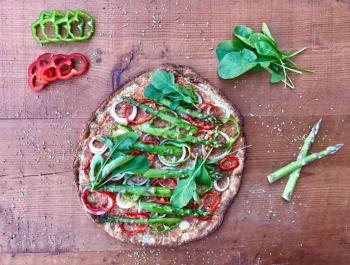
x=210, y=201
x=123, y=203
x=229, y=163
x=97, y=202
x=131, y=115
x=96, y=147
x=134, y=229
x=164, y=153
x=221, y=185
x=142, y=117
x=174, y=161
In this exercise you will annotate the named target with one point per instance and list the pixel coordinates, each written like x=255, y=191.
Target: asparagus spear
x=166, y=220
x=174, y=135
x=294, y=176
x=302, y=162
x=158, y=149
x=139, y=190
x=153, y=207
x=166, y=173
x=171, y=119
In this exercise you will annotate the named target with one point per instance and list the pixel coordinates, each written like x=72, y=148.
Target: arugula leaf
x=125, y=141
x=96, y=165
x=204, y=177
x=164, y=81
x=236, y=63
x=186, y=188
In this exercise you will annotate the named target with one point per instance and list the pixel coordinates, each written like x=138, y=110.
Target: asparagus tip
x=271, y=178
x=335, y=148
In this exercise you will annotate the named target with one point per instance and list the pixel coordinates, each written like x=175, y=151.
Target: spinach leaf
x=236, y=63
x=243, y=33
x=228, y=46
x=256, y=37
x=266, y=49
x=267, y=32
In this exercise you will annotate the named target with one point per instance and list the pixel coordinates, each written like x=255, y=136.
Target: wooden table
x=41, y=221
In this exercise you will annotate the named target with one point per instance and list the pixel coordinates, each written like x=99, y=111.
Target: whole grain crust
x=202, y=229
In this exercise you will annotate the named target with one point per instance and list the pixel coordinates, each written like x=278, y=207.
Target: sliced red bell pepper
x=74, y=64
x=134, y=229
x=49, y=71
x=35, y=81
x=141, y=119
x=100, y=204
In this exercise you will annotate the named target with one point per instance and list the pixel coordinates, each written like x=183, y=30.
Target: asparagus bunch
x=303, y=159
x=294, y=176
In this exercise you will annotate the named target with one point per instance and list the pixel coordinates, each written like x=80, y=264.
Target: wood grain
x=40, y=218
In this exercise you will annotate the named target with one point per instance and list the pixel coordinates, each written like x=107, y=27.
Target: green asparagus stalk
x=158, y=149
x=166, y=220
x=166, y=173
x=153, y=207
x=139, y=190
x=174, y=135
x=302, y=162
x=162, y=115
x=294, y=176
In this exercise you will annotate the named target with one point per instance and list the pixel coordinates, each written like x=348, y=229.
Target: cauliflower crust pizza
x=161, y=159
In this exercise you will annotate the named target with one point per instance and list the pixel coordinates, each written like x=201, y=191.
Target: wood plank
x=40, y=217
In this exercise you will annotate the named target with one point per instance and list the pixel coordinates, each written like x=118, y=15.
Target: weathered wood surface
x=40, y=218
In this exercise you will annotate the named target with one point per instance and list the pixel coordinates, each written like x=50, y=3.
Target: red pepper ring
x=70, y=67
x=49, y=71
x=210, y=201
x=35, y=82
x=134, y=228
x=228, y=163
x=143, y=119
x=102, y=208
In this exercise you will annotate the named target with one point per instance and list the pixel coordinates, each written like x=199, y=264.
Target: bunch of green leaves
x=164, y=87
x=186, y=188
x=104, y=170
x=254, y=51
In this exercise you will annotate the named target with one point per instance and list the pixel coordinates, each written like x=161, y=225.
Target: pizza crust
x=202, y=229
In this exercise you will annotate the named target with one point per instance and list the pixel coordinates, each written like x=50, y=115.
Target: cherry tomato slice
x=134, y=229
x=161, y=200
x=228, y=163
x=210, y=201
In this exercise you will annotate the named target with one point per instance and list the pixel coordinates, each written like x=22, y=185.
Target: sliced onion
x=223, y=188
x=119, y=119
x=213, y=160
x=184, y=157
x=119, y=177
x=137, y=181
x=122, y=203
x=184, y=225
x=200, y=98
x=95, y=149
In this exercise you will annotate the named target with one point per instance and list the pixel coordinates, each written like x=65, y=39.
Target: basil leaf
x=265, y=48
x=228, y=46
x=236, y=63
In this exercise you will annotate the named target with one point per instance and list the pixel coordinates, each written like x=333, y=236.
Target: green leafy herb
x=254, y=51
x=186, y=188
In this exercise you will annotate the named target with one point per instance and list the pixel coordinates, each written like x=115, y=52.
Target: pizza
x=161, y=159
